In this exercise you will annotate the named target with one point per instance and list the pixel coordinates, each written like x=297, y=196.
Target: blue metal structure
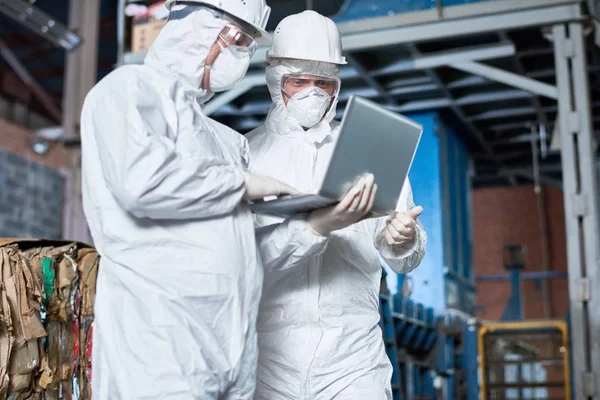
x=514, y=308
x=361, y=9
x=433, y=356
x=440, y=182
x=433, y=349
x=535, y=275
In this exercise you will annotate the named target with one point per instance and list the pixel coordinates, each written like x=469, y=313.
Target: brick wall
x=510, y=216
x=31, y=185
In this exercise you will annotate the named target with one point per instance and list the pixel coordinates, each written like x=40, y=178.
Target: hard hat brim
x=271, y=56
x=261, y=36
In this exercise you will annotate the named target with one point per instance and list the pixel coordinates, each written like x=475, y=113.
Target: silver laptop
x=373, y=140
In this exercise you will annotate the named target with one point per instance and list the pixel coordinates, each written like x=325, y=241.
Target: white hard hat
x=254, y=13
x=307, y=36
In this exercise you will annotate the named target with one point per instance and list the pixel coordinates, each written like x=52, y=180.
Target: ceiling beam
x=524, y=138
x=422, y=61
x=447, y=57
x=59, y=70
x=17, y=38
x=508, y=78
x=376, y=37
x=526, y=173
x=44, y=98
x=518, y=64
x=260, y=107
x=504, y=156
x=370, y=79
x=473, y=130
x=13, y=88
x=459, y=12
x=474, y=80
x=40, y=23
x=36, y=52
x=547, y=168
x=380, y=32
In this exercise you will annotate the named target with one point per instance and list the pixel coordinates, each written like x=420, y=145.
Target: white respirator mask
x=309, y=106
x=229, y=67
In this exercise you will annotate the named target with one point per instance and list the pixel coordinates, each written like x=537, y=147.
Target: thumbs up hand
x=401, y=228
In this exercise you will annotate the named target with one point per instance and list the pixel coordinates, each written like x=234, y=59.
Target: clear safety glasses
x=292, y=84
x=237, y=40
x=231, y=35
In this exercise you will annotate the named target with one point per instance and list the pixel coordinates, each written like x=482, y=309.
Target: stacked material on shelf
x=147, y=24
x=47, y=291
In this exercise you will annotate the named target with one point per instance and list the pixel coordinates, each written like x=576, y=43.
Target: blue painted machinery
x=440, y=181
x=430, y=336
x=433, y=356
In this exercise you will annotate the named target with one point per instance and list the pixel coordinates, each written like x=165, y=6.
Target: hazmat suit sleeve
x=147, y=173
x=284, y=245
x=402, y=258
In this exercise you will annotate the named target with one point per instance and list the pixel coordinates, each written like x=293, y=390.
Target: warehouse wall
x=510, y=216
x=31, y=186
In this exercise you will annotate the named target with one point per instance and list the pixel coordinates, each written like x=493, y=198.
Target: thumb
x=415, y=212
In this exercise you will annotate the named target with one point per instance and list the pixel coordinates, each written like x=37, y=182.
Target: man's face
x=293, y=84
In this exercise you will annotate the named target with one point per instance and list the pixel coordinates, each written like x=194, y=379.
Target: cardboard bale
x=46, y=312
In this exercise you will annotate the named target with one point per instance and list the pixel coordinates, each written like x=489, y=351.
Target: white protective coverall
x=318, y=330
x=180, y=279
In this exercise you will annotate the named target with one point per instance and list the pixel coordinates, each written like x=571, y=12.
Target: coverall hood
x=279, y=118
x=182, y=46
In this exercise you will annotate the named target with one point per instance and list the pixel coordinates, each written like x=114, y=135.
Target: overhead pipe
x=41, y=23
x=535, y=275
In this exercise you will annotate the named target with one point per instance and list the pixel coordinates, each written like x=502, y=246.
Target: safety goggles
x=237, y=40
x=297, y=83
x=231, y=35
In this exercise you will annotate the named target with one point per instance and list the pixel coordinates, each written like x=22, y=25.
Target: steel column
x=581, y=206
x=80, y=77
x=81, y=66
x=470, y=359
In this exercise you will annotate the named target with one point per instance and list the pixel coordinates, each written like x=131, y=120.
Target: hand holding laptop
x=259, y=187
x=353, y=207
x=372, y=140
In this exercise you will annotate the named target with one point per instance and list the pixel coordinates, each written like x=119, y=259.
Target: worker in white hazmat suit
x=164, y=190
x=318, y=328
